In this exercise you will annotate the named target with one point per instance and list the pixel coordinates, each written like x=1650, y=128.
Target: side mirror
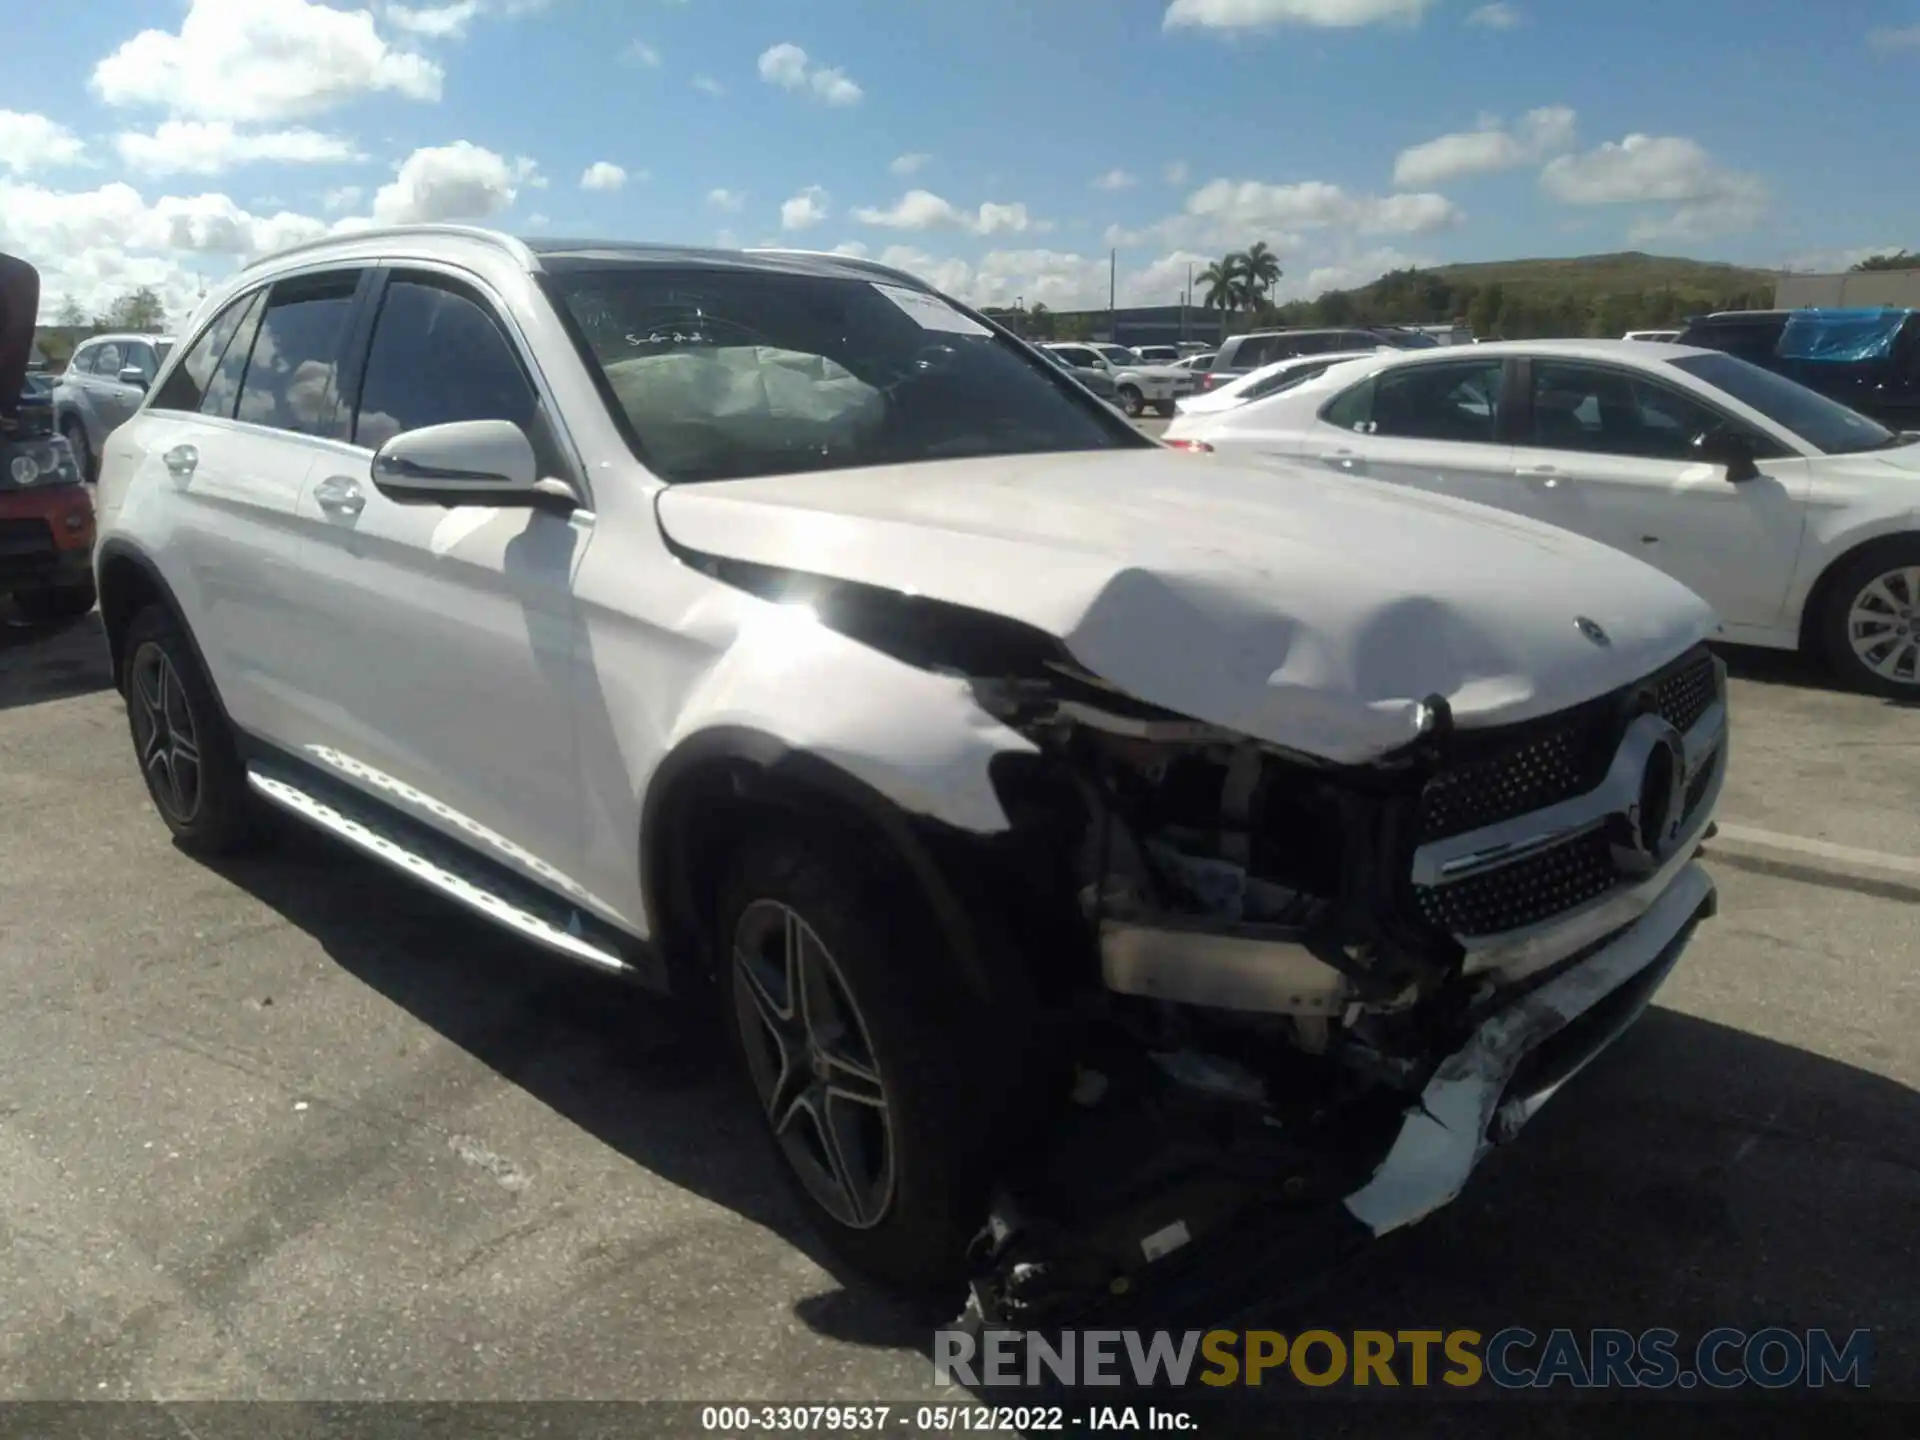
x=1730, y=449
x=470, y=462
x=133, y=375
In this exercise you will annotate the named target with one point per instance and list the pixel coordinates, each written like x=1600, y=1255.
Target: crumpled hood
x=1313, y=611
x=1906, y=458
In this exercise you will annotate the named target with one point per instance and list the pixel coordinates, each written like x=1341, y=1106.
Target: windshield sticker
x=930, y=312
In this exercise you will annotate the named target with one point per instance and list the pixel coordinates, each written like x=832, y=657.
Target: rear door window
x=290, y=375
x=1457, y=402
x=187, y=386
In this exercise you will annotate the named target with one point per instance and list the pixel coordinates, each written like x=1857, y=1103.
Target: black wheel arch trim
x=116, y=551
x=761, y=767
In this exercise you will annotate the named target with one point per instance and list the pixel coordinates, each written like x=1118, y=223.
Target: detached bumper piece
x=1173, y=1188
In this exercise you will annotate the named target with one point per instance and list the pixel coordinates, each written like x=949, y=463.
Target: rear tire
x=76, y=432
x=1131, y=400
x=186, y=750
x=1870, y=630
x=845, y=1010
x=56, y=602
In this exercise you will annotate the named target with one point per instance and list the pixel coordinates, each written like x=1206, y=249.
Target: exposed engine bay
x=1262, y=1019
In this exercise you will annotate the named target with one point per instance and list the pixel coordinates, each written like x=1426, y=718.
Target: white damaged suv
x=1086, y=850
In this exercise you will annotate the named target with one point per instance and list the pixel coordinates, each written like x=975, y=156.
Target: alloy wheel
x=1883, y=625
x=812, y=1063
x=164, y=734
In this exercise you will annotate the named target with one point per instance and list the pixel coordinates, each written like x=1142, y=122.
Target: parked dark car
x=1241, y=354
x=1866, y=359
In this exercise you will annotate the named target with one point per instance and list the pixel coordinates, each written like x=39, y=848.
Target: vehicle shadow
x=650, y=1077
x=1792, y=670
x=1695, y=1176
x=51, y=662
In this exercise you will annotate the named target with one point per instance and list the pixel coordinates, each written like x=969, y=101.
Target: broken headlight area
x=1249, y=1008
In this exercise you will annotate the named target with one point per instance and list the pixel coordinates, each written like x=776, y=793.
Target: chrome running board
x=443, y=865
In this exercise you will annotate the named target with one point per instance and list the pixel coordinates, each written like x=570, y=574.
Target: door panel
x=443, y=645
x=445, y=637
x=1617, y=446
x=1734, y=545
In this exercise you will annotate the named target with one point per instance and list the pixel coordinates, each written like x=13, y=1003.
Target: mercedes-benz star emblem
x=1647, y=833
x=1591, y=629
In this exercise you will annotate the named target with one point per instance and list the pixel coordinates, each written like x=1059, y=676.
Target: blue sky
x=999, y=147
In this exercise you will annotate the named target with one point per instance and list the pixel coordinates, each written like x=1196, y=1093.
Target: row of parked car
x=1793, y=514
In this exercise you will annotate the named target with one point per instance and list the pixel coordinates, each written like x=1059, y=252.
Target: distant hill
x=1524, y=299
x=1630, y=271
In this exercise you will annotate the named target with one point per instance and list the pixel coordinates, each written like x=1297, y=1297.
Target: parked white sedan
x=1796, y=518
x=1267, y=380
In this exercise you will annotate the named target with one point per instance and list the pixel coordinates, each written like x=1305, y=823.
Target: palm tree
x=1261, y=267
x=1225, y=290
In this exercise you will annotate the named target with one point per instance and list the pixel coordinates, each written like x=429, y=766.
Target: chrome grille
x=1525, y=892
x=1562, y=761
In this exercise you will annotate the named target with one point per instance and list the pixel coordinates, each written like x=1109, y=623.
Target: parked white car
x=1137, y=384
x=101, y=386
x=1796, y=518
x=1027, y=804
x=1267, y=380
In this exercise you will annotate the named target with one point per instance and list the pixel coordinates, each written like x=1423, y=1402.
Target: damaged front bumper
x=1202, y=1249
x=1522, y=1053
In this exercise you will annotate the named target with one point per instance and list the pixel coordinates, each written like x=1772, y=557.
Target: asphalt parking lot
x=293, y=1129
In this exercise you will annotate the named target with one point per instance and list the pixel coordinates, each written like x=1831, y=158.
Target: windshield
x=161, y=349
x=1407, y=340
x=723, y=374
x=1118, y=355
x=1825, y=424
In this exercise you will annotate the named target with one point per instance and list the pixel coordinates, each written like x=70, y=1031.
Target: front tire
x=863, y=1051
x=1131, y=400
x=186, y=749
x=55, y=603
x=1871, y=628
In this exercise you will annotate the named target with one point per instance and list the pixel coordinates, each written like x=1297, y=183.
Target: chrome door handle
x=180, y=461
x=339, y=495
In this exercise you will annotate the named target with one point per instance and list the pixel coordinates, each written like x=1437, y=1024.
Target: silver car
x=102, y=386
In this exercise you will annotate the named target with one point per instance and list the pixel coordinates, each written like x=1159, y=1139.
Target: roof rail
x=496, y=238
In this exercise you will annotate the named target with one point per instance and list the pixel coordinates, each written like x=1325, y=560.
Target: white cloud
x=603, y=175
x=851, y=247
x=924, y=210
x=724, y=199
x=804, y=210
x=1493, y=146
x=207, y=147
x=1246, y=207
x=344, y=197
x=1497, y=16
x=1116, y=180
x=642, y=53
x=787, y=66
x=707, y=85
x=461, y=181
x=435, y=22
x=33, y=142
x=909, y=164
x=1326, y=14
x=1177, y=173
x=1888, y=40
x=1708, y=199
x=94, y=246
x=261, y=60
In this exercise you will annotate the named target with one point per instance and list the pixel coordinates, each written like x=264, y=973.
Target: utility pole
x=1113, y=291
